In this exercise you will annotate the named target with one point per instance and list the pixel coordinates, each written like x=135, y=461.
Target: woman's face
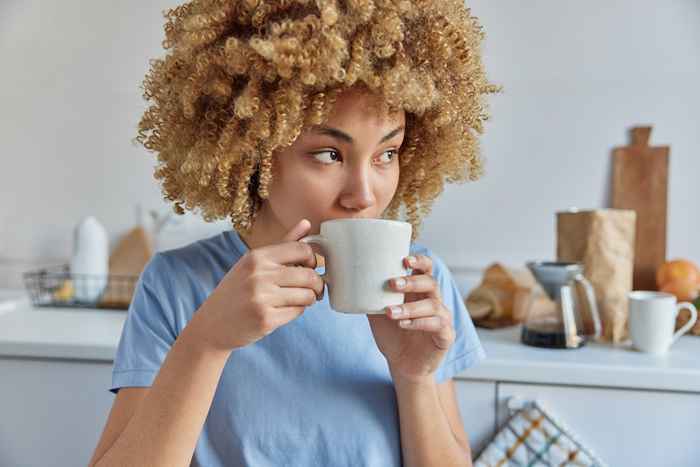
x=347, y=167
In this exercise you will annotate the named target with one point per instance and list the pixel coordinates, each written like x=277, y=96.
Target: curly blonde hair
x=243, y=78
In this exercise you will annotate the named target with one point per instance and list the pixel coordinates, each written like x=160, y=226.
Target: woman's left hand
x=416, y=339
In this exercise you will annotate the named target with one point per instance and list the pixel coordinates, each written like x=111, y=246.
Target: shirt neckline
x=236, y=241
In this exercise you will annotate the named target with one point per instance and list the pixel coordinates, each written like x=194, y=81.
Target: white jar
x=89, y=264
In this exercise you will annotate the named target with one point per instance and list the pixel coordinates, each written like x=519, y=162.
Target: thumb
x=298, y=231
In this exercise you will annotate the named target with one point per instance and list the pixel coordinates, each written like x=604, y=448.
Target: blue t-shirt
x=315, y=392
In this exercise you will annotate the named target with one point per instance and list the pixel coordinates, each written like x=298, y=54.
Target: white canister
x=89, y=264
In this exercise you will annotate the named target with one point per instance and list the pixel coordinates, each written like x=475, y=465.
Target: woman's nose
x=357, y=193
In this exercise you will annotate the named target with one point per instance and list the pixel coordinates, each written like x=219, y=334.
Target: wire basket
x=55, y=286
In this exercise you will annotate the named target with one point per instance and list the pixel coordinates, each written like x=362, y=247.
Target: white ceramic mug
x=361, y=255
x=652, y=319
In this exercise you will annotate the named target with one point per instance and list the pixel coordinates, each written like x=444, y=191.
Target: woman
x=280, y=115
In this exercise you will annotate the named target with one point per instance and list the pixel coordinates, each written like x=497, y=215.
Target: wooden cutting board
x=126, y=263
x=640, y=182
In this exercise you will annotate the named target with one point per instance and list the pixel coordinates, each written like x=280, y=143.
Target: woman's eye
x=326, y=157
x=329, y=157
x=392, y=153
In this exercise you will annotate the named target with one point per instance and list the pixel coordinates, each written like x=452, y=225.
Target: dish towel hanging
x=534, y=437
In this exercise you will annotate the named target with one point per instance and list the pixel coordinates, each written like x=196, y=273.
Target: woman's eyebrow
x=338, y=134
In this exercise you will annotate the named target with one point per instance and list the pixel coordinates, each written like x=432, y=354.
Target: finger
x=416, y=284
x=297, y=232
x=431, y=324
x=300, y=230
x=418, y=309
x=290, y=253
x=420, y=263
x=293, y=296
x=288, y=276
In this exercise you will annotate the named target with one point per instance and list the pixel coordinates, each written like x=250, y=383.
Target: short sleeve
x=149, y=329
x=466, y=350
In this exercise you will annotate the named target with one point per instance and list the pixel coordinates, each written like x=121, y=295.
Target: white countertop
x=594, y=364
x=58, y=333
x=86, y=334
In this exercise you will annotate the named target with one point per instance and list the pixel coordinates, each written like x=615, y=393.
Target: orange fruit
x=677, y=269
x=685, y=289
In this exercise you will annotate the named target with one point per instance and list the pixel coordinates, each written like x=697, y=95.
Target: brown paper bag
x=603, y=240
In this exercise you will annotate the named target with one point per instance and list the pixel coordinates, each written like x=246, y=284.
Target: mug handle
x=693, y=318
x=323, y=244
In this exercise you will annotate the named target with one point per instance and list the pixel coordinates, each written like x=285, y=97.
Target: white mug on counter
x=361, y=255
x=652, y=320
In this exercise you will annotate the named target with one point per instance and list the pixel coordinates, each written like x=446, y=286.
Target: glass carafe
x=565, y=314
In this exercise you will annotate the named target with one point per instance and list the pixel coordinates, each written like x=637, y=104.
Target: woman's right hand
x=266, y=288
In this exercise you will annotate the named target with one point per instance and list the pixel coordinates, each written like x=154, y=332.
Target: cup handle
x=323, y=244
x=693, y=318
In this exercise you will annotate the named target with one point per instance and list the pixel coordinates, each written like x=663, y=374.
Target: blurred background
x=576, y=77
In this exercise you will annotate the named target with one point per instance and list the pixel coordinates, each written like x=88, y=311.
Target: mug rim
x=639, y=295
x=365, y=219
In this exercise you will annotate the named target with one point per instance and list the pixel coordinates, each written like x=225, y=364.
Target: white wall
x=577, y=75
x=69, y=105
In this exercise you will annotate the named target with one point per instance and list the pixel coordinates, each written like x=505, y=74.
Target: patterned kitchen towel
x=534, y=437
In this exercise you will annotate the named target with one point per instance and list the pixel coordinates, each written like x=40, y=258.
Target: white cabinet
x=51, y=411
x=623, y=427
x=632, y=409
x=477, y=402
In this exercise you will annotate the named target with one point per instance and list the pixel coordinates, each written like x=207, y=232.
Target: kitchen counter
x=595, y=364
x=93, y=335
x=58, y=333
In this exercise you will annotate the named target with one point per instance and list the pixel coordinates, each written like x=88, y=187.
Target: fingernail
x=404, y=323
x=395, y=311
x=400, y=283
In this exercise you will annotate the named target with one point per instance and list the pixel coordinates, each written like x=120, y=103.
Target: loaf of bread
x=503, y=296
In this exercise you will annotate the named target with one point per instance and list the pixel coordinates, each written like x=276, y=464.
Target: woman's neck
x=263, y=232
